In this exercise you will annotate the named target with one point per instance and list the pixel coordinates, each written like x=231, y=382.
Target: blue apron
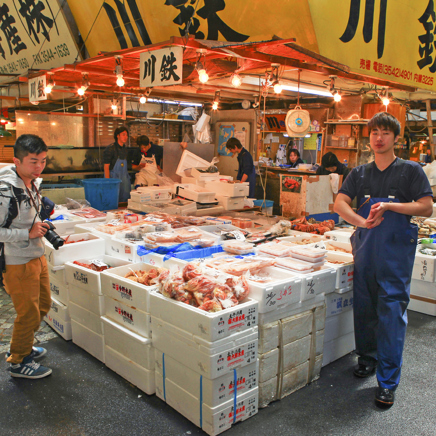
x=251, y=177
x=383, y=262
x=119, y=171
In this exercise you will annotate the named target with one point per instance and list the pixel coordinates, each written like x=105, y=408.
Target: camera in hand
x=53, y=237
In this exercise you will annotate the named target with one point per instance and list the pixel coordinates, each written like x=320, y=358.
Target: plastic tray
x=245, y=247
x=310, y=254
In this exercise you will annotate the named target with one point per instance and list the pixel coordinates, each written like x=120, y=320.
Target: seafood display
x=238, y=247
x=238, y=267
x=179, y=236
x=204, y=289
x=277, y=249
x=311, y=226
x=93, y=265
x=331, y=247
x=154, y=276
x=426, y=226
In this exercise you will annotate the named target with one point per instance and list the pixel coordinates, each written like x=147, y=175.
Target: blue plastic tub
x=102, y=193
x=267, y=205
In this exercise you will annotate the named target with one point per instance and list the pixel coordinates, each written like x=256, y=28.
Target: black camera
x=53, y=237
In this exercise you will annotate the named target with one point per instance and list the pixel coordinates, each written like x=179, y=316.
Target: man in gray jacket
x=26, y=275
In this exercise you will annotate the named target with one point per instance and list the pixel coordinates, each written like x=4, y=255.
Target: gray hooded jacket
x=19, y=249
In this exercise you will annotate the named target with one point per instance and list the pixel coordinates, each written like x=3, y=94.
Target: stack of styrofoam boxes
x=229, y=195
x=87, y=303
x=290, y=335
x=423, y=286
x=206, y=363
x=59, y=315
x=127, y=324
x=145, y=198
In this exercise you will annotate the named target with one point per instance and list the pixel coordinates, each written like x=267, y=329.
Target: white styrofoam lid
x=190, y=160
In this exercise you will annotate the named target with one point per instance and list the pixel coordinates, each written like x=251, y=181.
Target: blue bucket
x=102, y=193
x=267, y=205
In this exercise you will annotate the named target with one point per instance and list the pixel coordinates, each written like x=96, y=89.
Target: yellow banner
x=391, y=40
x=131, y=23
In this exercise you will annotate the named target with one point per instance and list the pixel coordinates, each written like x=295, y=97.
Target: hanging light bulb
x=142, y=99
x=336, y=96
x=277, y=88
x=114, y=105
x=49, y=85
x=81, y=91
x=119, y=71
x=215, y=105
x=85, y=85
x=216, y=101
x=236, y=80
x=385, y=100
x=203, y=76
x=120, y=80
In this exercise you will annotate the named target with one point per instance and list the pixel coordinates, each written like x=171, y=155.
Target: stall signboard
x=389, y=40
x=33, y=34
x=37, y=88
x=114, y=25
x=161, y=67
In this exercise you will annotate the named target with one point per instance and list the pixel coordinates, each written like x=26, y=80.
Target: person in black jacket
x=330, y=164
x=294, y=158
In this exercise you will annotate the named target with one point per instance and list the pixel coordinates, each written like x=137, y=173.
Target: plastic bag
x=76, y=204
x=334, y=182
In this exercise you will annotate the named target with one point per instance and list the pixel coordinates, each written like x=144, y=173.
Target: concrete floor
x=83, y=397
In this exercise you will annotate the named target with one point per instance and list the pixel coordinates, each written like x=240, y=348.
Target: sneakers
x=28, y=368
x=36, y=353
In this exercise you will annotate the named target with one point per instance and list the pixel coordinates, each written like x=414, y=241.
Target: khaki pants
x=29, y=288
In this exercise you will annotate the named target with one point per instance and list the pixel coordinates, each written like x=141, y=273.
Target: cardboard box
x=59, y=290
x=339, y=325
x=338, y=303
x=92, y=245
x=129, y=317
x=212, y=420
x=285, y=288
x=338, y=348
x=236, y=189
x=424, y=268
x=90, y=301
x=210, y=359
x=422, y=305
x=142, y=378
x=86, y=278
x=344, y=271
x=206, y=325
x=58, y=324
x=212, y=392
x=89, y=340
x=130, y=345
x=86, y=318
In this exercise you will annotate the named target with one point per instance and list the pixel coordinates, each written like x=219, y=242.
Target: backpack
x=14, y=204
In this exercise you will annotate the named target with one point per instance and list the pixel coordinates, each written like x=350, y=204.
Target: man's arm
x=342, y=207
x=106, y=171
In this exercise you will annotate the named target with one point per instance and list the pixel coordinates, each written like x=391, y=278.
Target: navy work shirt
x=246, y=166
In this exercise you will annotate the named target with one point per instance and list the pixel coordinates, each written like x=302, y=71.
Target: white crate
x=188, y=161
x=194, y=193
x=339, y=235
x=61, y=310
x=214, y=420
x=213, y=392
x=87, y=299
x=422, y=305
x=330, y=245
x=86, y=227
x=133, y=205
x=116, y=286
x=86, y=278
x=317, y=282
x=344, y=271
x=88, y=319
x=202, y=176
x=139, y=376
x=131, y=318
x=132, y=346
x=59, y=290
x=285, y=288
x=210, y=359
x=92, y=245
x=423, y=289
x=58, y=324
x=338, y=348
x=58, y=273
x=206, y=325
x=236, y=189
x=230, y=203
x=339, y=325
x=90, y=341
x=424, y=268
x=338, y=303
x=65, y=226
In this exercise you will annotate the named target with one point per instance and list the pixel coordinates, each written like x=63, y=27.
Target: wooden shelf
x=341, y=148
x=172, y=120
x=362, y=122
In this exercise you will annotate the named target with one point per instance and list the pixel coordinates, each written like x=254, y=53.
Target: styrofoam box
x=62, y=311
x=293, y=328
x=116, y=286
x=142, y=378
x=295, y=353
x=318, y=282
x=86, y=278
x=188, y=161
x=293, y=380
x=229, y=189
x=206, y=325
x=285, y=288
x=61, y=327
x=339, y=235
x=132, y=346
x=338, y=348
x=86, y=227
x=212, y=392
x=87, y=299
x=300, y=236
x=213, y=420
x=230, y=203
x=318, y=342
x=424, y=268
x=344, y=271
x=127, y=316
x=89, y=340
x=329, y=244
x=338, y=303
x=320, y=317
x=151, y=193
x=134, y=205
x=58, y=273
x=422, y=305
x=423, y=289
x=338, y=325
x=86, y=318
x=59, y=290
x=291, y=309
x=194, y=193
x=210, y=359
x=92, y=245
x=66, y=225
x=204, y=177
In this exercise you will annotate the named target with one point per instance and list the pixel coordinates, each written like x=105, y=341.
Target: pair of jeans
x=29, y=288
